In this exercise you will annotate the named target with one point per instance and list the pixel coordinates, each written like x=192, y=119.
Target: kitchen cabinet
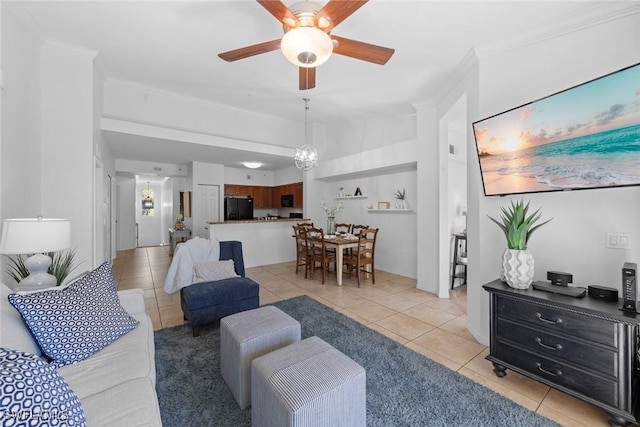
x=230, y=190
x=267, y=197
x=297, y=195
x=275, y=196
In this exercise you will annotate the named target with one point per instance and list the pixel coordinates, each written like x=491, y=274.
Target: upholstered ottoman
x=247, y=335
x=308, y=383
x=205, y=303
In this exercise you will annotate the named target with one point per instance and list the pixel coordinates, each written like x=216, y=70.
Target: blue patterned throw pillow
x=73, y=323
x=32, y=393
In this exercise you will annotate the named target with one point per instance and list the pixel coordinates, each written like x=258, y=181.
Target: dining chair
x=302, y=248
x=318, y=252
x=343, y=228
x=362, y=260
x=357, y=228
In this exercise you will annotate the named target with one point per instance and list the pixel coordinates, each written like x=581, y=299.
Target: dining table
x=340, y=243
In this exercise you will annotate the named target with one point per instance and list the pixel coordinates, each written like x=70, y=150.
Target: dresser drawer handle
x=553, y=322
x=557, y=373
x=550, y=347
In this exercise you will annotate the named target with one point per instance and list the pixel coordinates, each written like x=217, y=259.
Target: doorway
x=153, y=206
x=453, y=134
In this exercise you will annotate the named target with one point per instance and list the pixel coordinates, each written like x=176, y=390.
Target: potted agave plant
x=518, y=226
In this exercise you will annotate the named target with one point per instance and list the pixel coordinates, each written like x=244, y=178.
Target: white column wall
x=20, y=164
x=67, y=132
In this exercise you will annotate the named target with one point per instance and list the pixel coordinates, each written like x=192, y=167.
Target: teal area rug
x=404, y=388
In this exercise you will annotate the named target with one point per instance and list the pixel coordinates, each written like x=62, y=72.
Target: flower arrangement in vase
x=518, y=226
x=331, y=211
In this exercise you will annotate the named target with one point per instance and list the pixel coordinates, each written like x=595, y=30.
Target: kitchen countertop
x=256, y=221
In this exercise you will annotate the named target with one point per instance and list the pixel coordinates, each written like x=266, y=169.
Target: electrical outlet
x=616, y=240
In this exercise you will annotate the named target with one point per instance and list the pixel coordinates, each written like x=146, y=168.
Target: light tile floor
x=393, y=306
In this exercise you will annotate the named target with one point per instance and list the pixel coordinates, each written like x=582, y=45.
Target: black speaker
x=603, y=293
x=559, y=278
x=629, y=290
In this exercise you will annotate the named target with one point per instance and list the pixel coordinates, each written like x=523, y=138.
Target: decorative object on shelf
x=179, y=225
x=331, y=211
x=400, y=196
x=517, y=260
x=358, y=192
x=39, y=244
x=340, y=193
x=306, y=156
x=384, y=205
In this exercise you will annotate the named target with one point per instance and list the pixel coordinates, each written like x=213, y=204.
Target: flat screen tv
x=584, y=137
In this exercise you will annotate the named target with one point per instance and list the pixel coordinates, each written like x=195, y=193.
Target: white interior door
x=209, y=208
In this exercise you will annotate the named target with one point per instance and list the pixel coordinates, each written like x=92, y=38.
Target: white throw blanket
x=187, y=254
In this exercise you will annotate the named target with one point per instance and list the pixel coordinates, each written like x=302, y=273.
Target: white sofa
x=115, y=385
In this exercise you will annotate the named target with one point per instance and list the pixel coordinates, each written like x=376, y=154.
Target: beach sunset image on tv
x=584, y=137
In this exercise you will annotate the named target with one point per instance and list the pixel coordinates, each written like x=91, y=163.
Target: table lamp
x=36, y=236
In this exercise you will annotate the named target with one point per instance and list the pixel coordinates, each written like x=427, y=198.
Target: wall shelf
x=350, y=197
x=389, y=210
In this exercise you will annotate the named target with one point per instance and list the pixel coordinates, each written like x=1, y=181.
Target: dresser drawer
x=556, y=319
x=578, y=353
x=596, y=387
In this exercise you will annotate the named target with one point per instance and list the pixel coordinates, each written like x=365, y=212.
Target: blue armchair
x=207, y=302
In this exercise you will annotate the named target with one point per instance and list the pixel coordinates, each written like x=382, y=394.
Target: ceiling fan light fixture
x=306, y=46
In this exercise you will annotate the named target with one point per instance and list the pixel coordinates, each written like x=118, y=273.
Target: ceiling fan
x=307, y=42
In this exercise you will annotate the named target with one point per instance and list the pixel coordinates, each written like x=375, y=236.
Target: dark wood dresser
x=585, y=347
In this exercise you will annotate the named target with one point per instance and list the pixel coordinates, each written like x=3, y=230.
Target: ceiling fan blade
x=307, y=78
x=364, y=51
x=335, y=12
x=247, y=51
x=281, y=12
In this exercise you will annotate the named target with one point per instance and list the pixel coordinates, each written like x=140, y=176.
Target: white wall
x=140, y=104
x=245, y=176
x=20, y=137
x=575, y=240
x=167, y=213
x=67, y=132
x=20, y=134
x=126, y=213
x=150, y=228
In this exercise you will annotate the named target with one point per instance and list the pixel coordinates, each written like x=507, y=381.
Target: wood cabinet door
x=276, y=193
x=245, y=190
x=297, y=195
x=230, y=190
x=262, y=197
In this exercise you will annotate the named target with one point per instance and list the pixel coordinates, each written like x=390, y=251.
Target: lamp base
x=38, y=265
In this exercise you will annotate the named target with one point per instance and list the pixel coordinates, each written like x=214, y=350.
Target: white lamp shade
x=35, y=235
x=306, y=46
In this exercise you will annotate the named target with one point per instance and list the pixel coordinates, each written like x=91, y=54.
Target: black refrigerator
x=236, y=208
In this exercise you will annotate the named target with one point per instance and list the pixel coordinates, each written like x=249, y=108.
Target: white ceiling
x=173, y=46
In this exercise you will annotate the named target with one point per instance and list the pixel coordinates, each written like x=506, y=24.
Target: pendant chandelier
x=306, y=156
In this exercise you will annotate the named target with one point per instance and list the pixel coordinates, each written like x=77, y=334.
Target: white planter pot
x=517, y=267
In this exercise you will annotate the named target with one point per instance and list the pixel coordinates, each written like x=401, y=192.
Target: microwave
x=286, y=200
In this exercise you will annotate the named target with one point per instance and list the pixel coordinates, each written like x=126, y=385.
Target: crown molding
x=593, y=15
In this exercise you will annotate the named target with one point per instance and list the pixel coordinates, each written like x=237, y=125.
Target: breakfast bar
x=264, y=242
